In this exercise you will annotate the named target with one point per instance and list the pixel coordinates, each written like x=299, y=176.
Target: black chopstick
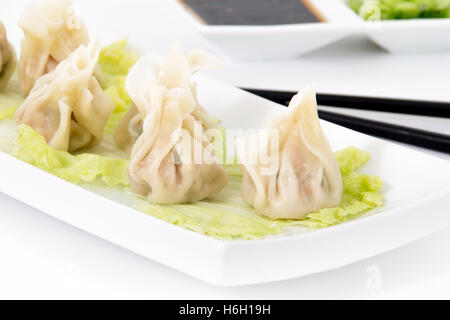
x=412, y=136
x=416, y=107
x=421, y=138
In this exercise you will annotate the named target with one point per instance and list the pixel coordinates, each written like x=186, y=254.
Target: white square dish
x=291, y=40
x=278, y=41
x=416, y=194
x=408, y=35
x=411, y=36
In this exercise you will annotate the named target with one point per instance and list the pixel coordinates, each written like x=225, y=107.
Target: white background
x=41, y=257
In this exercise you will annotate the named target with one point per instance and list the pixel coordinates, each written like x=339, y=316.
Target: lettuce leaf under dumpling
x=115, y=62
x=32, y=148
x=10, y=99
x=225, y=215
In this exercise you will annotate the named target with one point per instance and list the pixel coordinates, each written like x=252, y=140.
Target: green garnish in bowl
x=400, y=9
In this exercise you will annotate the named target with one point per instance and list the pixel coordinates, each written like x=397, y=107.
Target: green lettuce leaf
x=8, y=112
x=115, y=62
x=221, y=220
x=32, y=148
x=117, y=58
x=401, y=9
x=10, y=99
x=350, y=159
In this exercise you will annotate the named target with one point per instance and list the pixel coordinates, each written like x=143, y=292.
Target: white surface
x=44, y=258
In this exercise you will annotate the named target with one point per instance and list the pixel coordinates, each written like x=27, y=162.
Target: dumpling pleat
x=52, y=31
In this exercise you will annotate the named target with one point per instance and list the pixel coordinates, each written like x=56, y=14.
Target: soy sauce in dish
x=254, y=12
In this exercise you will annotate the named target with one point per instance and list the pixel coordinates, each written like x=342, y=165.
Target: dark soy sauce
x=254, y=12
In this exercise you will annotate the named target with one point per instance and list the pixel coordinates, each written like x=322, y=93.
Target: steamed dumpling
x=52, y=31
x=299, y=174
x=8, y=59
x=176, y=71
x=67, y=106
x=172, y=160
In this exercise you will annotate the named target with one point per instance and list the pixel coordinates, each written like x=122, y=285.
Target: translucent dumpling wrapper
x=172, y=160
x=8, y=60
x=176, y=71
x=67, y=106
x=52, y=31
x=290, y=170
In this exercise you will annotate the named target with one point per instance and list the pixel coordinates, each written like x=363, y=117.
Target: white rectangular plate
x=416, y=193
x=292, y=40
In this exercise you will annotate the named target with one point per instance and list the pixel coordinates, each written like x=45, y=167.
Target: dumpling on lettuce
x=8, y=59
x=67, y=106
x=292, y=171
x=173, y=160
x=52, y=31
